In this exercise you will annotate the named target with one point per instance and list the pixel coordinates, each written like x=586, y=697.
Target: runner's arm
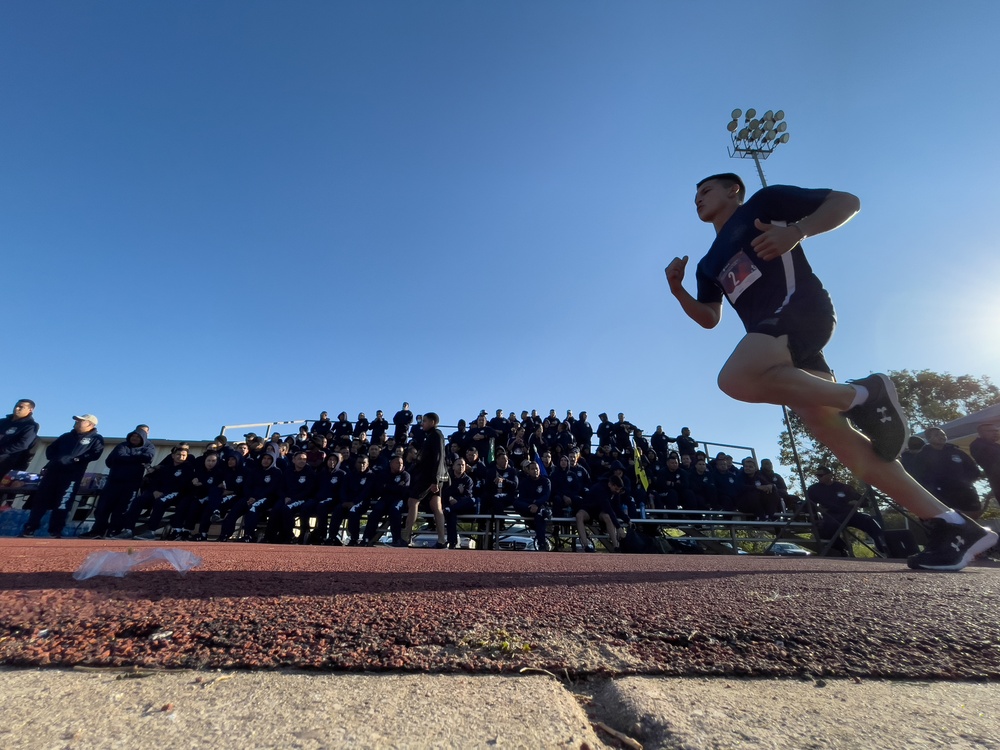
x=836, y=210
x=705, y=314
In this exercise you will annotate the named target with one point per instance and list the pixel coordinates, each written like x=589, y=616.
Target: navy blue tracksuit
x=68, y=455
x=127, y=463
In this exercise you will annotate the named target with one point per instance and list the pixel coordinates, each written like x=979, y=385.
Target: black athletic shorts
x=808, y=326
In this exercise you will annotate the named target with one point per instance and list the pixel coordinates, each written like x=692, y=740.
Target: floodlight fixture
x=736, y=114
x=732, y=126
x=751, y=113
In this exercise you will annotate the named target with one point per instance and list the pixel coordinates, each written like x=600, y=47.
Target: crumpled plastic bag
x=120, y=564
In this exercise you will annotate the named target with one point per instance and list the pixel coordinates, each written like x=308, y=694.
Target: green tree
x=929, y=398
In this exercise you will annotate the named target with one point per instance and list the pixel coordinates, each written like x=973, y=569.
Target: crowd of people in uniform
x=332, y=474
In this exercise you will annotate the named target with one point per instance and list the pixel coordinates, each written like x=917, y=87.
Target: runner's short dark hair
x=433, y=417
x=728, y=179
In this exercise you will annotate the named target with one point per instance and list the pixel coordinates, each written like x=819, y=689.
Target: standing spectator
x=461, y=435
x=501, y=427
x=68, y=457
x=604, y=429
x=660, y=441
x=380, y=427
x=620, y=433
x=686, y=445
x=948, y=473
x=361, y=426
x=402, y=421
x=986, y=450
x=837, y=501
x=910, y=457
x=323, y=425
x=18, y=437
x=343, y=430
x=430, y=475
x=127, y=463
x=582, y=431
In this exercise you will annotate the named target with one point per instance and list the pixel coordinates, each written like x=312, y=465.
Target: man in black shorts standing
x=757, y=263
x=429, y=477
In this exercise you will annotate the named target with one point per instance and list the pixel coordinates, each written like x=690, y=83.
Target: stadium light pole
x=756, y=139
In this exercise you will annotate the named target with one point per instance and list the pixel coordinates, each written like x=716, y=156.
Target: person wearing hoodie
x=18, y=436
x=203, y=500
x=392, y=488
x=330, y=480
x=127, y=463
x=68, y=457
x=343, y=430
x=166, y=487
x=299, y=502
x=266, y=490
x=357, y=498
x=458, y=499
x=322, y=426
x=533, y=501
x=428, y=478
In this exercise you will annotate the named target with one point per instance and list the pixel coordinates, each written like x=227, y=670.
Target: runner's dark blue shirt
x=758, y=289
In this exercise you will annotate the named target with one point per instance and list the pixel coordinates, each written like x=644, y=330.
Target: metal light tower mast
x=757, y=140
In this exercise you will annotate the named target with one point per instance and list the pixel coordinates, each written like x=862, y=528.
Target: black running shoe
x=880, y=418
x=26, y=533
x=952, y=546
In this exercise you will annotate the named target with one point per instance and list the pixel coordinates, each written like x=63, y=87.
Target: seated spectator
x=601, y=503
x=517, y=448
x=481, y=437
x=702, y=484
x=166, y=485
x=727, y=483
x=358, y=496
x=837, y=501
x=568, y=491
x=948, y=473
x=202, y=501
x=756, y=494
x=669, y=488
x=768, y=474
x=458, y=499
x=533, y=502
x=391, y=491
x=301, y=441
x=500, y=487
x=266, y=490
x=299, y=502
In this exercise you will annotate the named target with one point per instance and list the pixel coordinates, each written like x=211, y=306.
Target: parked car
x=788, y=549
x=424, y=537
x=517, y=537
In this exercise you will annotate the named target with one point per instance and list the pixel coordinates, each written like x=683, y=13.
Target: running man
x=757, y=263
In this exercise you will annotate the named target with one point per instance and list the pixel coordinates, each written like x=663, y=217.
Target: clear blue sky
x=228, y=212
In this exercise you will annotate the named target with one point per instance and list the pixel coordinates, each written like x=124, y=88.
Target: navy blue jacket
x=128, y=462
x=70, y=453
x=16, y=438
x=534, y=491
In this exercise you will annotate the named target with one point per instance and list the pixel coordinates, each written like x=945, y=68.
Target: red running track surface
x=263, y=606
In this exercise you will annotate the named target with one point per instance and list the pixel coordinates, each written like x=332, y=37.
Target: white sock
x=860, y=395
x=952, y=517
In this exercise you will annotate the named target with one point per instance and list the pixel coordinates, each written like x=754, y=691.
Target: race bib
x=738, y=275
